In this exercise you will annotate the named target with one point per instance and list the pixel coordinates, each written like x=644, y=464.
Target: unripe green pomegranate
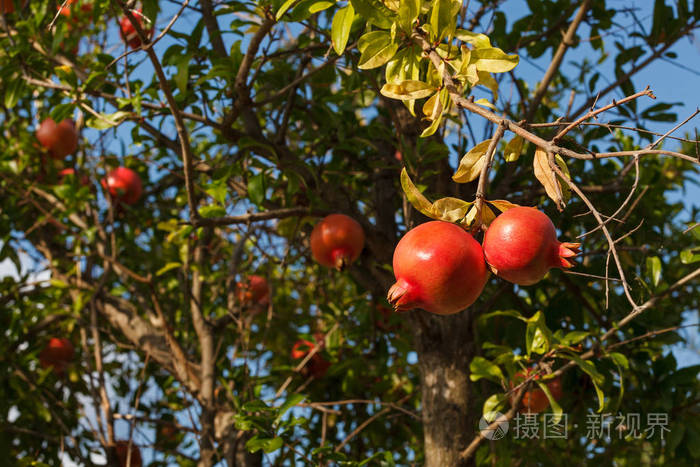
x=521, y=245
x=439, y=267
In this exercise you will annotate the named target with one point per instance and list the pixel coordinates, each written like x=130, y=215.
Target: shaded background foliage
x=279, y=123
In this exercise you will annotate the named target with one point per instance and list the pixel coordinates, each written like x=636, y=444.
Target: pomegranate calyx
x=399, y=297
x=567, y=250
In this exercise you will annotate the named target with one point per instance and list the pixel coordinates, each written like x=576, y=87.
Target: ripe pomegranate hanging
x=57, y=354
x=60, y=139
x=7, y=6
x=337, y=241
x=128, y=31
x=439, y=267
x=123, y=185
x=254, y=292
x=521, y=245
x=535, y=400
x=317, y=366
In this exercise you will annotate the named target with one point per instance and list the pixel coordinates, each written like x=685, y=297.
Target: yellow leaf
x=503, y=205
x=450, y=209
x=407, y=90
x=471, y=164
x=432, y=108
x=513, y=149
x=493, y=60
x=479, y=41
x=547, y=177
x=483, y=101
x=414, y=196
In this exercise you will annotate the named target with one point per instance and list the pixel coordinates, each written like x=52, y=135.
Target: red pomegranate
x=122, y=450
x=67, y=9
x=521, y=245
x=535, y=400
x=7, y=6
x=57, y=353
x=439, y=267
x=337, y=241
x=254, y=292
x=128, y=32
x=84, y=180
x=123, y=185
x=317, y=366
x=60, y=139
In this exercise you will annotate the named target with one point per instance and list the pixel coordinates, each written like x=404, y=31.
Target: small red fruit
x=316, y=366
x=254, y=292
x=84, y=180
x=67, y=9
x=535, y=400
x=337, y=241
x=521, y=245
x=128, y=32
x=123, y=185
x=60, y=139
x=128, y=457
x=398, y=156
x=58, y=353
x=7, y=6
x=439, y=267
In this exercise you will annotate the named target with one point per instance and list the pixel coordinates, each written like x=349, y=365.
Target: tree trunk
x=445, y=346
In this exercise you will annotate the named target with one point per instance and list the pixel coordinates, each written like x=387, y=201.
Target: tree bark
x=445, y=346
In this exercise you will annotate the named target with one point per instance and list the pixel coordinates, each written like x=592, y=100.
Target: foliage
x=248, y=122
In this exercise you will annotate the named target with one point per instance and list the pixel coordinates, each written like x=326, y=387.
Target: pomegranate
x=521, y=245
x=123, y=185
x=7, y=6
x=60, y=139
x=254, y=292
x=316, y=366
x=337, y=241
x=535, y=400
x=439, y=267
x=128, y=32
x=57, y=354
x=128, y=456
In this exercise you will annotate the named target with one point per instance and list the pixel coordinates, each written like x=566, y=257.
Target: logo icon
x=499, y=430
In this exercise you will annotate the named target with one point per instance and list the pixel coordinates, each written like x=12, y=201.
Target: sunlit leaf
x=471, y=164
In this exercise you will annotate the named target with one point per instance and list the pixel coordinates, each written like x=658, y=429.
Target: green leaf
x=168, y=267
x=574, y=337
x=619, y=359
x=538, y=337
x=590, y=369
x=13, y=92
x=291, y=401
x=374, y=12
x=494, y=403
x=408, y=13
x=675, y=436
x=443, y=18
x=511, y=313
x=212, y=210
x=105, y=121
x=654, y=269
x=513, y=149
x=471, y=164
x=482, y=368
x=407, y=90
x=340, y=29
x=556, y=408
x=376, y=48
x=493, y=60
x=256, y=188
x=691, y=255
